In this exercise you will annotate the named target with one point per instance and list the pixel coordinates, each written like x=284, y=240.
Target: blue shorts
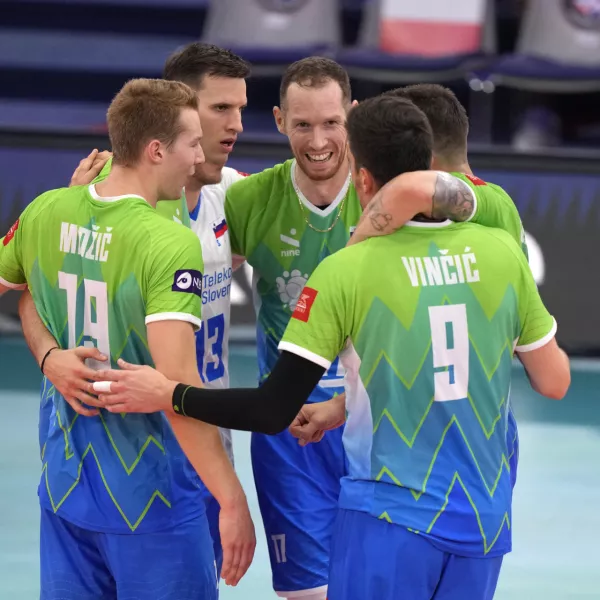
x=77, y=564
x=371, y=558
x=298, y=490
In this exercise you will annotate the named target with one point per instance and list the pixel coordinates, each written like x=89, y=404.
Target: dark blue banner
x=560, y=211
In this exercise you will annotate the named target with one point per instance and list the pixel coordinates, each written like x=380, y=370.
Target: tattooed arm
x=426, y=194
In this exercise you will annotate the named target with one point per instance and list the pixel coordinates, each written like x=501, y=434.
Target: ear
x=155, y=151
x=279, y=120
x=367, y=182
x=354, y=103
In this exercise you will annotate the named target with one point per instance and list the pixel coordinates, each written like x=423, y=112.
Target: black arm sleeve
x=268, y=409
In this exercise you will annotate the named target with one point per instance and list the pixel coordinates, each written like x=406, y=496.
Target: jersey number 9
x=450, y=349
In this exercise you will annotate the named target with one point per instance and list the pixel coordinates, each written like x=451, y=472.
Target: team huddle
x=392, y=291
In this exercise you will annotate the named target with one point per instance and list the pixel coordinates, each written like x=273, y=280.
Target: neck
x=192, y=194
x=324, y=192
x=452, y=166
x=126, y=181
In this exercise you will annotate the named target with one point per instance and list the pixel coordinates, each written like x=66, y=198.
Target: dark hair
x=446, y=115
x=197, y=60
x=389, y=136
x=315, y=71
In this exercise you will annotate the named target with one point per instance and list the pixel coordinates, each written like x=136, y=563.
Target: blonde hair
x=145, y=110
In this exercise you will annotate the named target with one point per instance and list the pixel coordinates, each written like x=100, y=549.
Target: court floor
x=556, y=522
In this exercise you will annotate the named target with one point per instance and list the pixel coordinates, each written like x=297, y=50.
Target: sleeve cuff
x=12, y=286
x=175, y=316
x=304, y=353
x=541, y=342
x=474, y=196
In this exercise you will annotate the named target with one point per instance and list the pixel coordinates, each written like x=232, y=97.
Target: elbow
x=276, y=426
x=557, y=388
x=278, y=422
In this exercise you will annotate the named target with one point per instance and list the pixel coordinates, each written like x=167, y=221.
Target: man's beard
x=325, y=175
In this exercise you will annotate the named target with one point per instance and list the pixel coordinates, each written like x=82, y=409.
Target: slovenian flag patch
x=219, y=227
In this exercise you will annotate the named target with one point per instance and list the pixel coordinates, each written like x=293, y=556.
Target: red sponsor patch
x=305, y=302
x=243, y=174
x=475, y=180
x=11, y=233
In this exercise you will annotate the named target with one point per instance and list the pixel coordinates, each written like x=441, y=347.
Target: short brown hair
x=315, y=71
x=389, y=136
x=447, y=116
x=144, y=110
x=198, y=60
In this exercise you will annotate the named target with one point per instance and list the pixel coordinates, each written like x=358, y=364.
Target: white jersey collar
x=429, y=224
x=95, y=196
x=322, y=213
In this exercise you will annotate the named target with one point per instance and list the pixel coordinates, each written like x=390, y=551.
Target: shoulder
x=105, y=171
x=231, y=176
x=217, y=191
x=479, y=185
x=472, y=180
x=166, y=233
x=49, y=199
x=262, y=182
x=348, y=260
x=497, y=243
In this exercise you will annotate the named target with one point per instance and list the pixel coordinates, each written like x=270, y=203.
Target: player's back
x=100, y=270
x=438, y=311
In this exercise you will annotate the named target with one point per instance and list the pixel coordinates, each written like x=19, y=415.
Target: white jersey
x=212, y=341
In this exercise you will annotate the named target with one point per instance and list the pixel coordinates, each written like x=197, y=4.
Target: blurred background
x=528, y=72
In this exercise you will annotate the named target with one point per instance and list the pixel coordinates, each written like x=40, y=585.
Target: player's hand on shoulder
x=67, y=371
x=133, y=389
x=89, y=167
x=237, y=539
x=314, y=420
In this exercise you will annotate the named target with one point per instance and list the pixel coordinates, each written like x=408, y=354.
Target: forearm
x=38, y=338
x=268, y=409
x=202, y=445
x=433, y=194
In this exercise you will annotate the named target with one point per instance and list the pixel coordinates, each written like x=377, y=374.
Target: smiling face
x=222, y=100
x=314, y=120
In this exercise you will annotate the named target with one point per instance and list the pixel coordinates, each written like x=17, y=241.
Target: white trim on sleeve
x=174, y=316
x=474, y=199
x=12, y=286
x=304, y=353
x=541, y=342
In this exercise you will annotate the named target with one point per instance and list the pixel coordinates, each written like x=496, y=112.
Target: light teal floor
x=556, y=519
